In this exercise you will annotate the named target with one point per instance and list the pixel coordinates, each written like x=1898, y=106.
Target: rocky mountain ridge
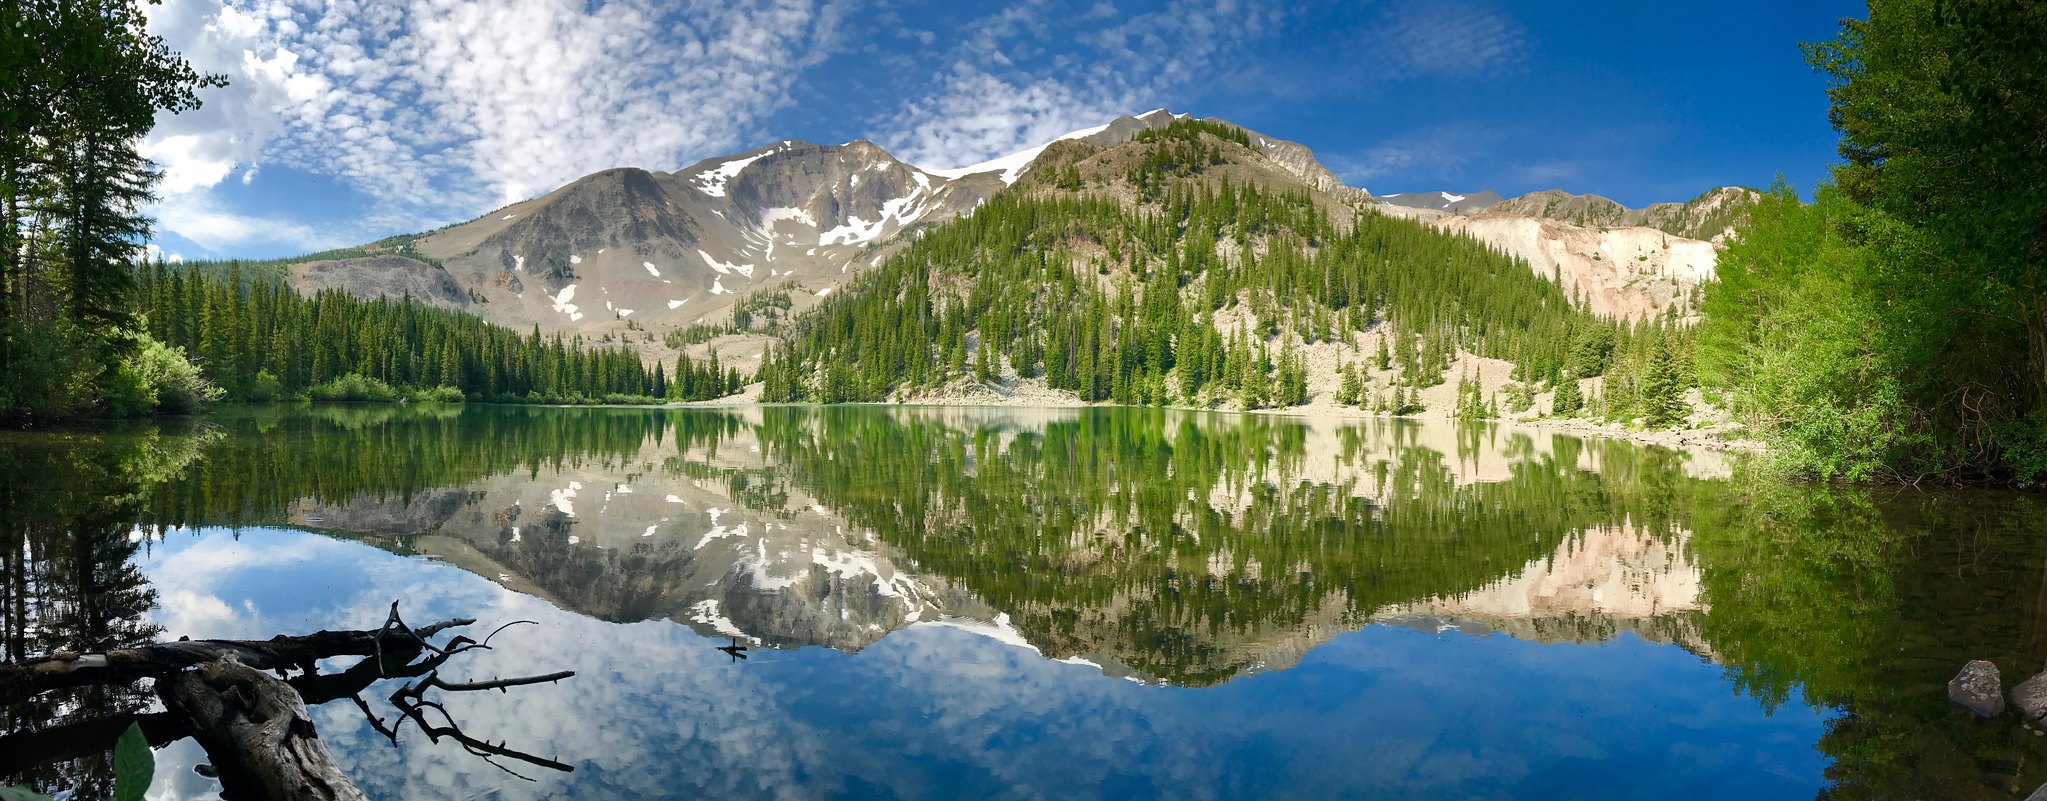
x=638, y=253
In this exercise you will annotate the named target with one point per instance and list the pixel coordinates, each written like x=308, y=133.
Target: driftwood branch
x=253, y=725
x=412, y=703
x=256, y=730
x=21, y=680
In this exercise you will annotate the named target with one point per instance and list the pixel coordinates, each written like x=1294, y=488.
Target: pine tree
x=1568, y=400
x=1661, y=398
x=1350, y=388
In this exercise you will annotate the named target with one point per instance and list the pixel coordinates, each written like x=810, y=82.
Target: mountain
x=774, y=229
x=1707, y=216
x=1455, y=202
x=1040, y=267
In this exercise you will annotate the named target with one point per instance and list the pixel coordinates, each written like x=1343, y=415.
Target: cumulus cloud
x=434, y=107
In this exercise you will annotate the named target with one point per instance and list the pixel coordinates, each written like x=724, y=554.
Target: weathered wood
x=21, y=680
x=256, y=730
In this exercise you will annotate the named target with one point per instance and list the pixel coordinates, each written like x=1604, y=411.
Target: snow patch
x=725, y=267
x=519, y=263
x=575, y=259
x=1001, y=630
x=718, y=286
x=775, y=215
x=1012, y=165
x=650, y=268
x=563, y=305
x=823, y=292
x=674, y=303
x=564, y=499
x=706, y=612
x=712, y=181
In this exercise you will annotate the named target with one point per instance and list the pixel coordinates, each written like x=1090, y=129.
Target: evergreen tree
x=1567, y=400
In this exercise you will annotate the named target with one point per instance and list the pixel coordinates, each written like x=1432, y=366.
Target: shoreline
x=1707, y=439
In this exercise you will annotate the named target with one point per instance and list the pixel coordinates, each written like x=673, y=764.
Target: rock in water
x=1981, y=689
x=2031, y=698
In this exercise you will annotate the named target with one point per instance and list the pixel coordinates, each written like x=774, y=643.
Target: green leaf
x=134, y=765
x=21, y=794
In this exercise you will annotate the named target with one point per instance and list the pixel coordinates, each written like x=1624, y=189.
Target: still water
x=955, y=603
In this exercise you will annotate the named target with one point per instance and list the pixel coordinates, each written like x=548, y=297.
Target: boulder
x=2031, y=698
x=1979, y=688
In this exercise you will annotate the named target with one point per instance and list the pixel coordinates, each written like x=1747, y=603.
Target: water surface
x=947, y=603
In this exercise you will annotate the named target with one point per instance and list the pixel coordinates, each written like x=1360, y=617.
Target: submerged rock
x=1979, y=688
x=2031, y=698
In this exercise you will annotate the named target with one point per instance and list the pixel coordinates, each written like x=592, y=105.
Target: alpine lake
x=946, y=603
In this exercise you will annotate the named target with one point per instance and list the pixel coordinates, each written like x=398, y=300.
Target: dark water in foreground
x=1046, y=604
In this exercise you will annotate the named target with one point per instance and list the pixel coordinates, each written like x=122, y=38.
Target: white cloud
x=197, y=216
x=439, y=107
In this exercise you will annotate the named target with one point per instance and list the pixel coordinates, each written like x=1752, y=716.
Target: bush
x=157, y=378
x=441, y=394
x=264, y=389
x=353, y=387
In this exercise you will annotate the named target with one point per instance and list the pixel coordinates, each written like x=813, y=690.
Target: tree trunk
x=2035, y=388
x=257, y=732
x=122, y=665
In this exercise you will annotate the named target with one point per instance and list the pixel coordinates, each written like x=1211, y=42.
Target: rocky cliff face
x=1707, y=216
x=383, y=276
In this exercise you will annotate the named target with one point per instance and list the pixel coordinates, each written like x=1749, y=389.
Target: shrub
x=441, y=394
x=353, y=387
x=265, y=388
x=157, y=377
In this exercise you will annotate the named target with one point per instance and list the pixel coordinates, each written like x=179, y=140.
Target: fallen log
x=254, y=726
x=21, y=680
x=257, y=732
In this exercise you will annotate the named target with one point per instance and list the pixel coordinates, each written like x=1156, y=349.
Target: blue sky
x=349, y=120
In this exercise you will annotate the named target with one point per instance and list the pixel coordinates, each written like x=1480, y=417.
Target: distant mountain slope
x=1704, y=217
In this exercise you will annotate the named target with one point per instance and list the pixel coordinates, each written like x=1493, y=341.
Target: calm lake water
x=957, y=603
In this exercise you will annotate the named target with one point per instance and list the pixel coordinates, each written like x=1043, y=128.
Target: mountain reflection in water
x=1313, y=605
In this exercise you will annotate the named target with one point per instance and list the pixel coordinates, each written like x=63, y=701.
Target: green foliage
x=1568, y=400
x=439, y=395
x=1193, y=130
x=1471, y=403
x=1661, y=394
x=173, y=383
x=768, y=307
x=1896, y=329
x=353, y=387
x=705, y=380
x=1350, y=389
x=21, y=794
x=239, y=332
x=134, y=765
x=1184, y=309
x=81, y=83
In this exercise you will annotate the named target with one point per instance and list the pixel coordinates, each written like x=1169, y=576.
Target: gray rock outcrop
x=1978, y=688
x=2031, y=698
